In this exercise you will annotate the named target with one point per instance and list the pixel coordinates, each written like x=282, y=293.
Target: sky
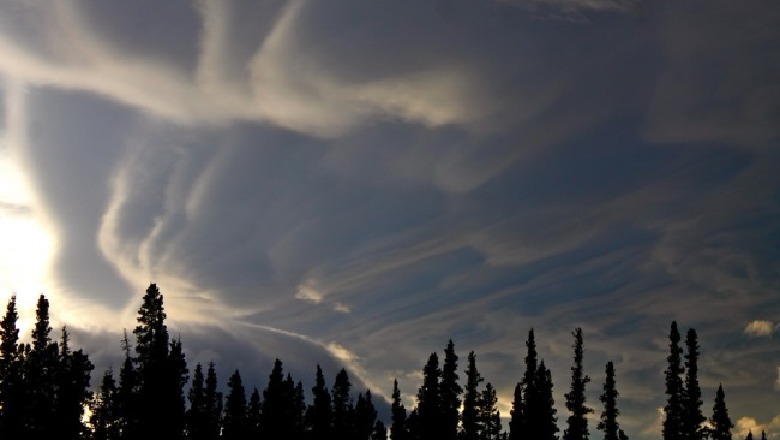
x=355, y=183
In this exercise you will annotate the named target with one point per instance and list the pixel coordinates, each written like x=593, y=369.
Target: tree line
x=45, y=394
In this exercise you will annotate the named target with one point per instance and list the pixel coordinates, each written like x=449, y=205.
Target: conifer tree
x=490, y=417
x=39, y=374
x=196, y=413
x=720, y=422
x=517, y=423
x=127, y=396
x=380, y=432
x=692, y=416
x=213, y=405
x=609, y=423
x=177, y=377
x=450, y=392
x=749, y=436
x=318, y=415
x=575, y=399
x=105, y=418
x=763, y=435
x=12, y=388
x=276, y=405
x=297, y=407
x=429, y=405
x=365, y=416
x=234, y=426
x=674, y=409
x=398, y=428
x=545, y=427
x=254, y=414
x=343, y=408
x=73, y=395
x=471, y=423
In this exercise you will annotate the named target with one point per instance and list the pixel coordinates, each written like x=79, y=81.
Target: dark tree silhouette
x=105, y=417
x=234, y=424
x=692, y=416
x=450, y=392
x=720, y=422
x=12, y=391
x=39, y=374
x=526, y=407
x=517, y=422
x=127, y=396
x=213, y=405
x=490, y=418
x=73, y=395
x=398, y=428
x=575, y=399
x=279, y=419
x=343, y=409
x=429, y=405
x=318, y=414
x=196, y=413
x=254, y=414
x=674, y=409
x=545, y=427
x=609, y=423
x=471, y=423
x=380, y=432
x=365, y=416
x=749, y=436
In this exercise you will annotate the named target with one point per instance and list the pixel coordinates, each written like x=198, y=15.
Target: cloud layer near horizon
x=387, y=178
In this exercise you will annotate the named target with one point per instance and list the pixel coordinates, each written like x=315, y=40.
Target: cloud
x=308, y=292
x=759, y=328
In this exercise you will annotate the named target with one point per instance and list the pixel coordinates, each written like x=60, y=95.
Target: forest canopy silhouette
x=46, y=392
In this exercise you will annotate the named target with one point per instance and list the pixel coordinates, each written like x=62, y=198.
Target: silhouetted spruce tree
x=178, y=375
x=763, y=435
x=749, y=436
x=577, y=423
x=196, y=420
x=297, y=409
x=380, y=432
x=234, y=426
x=73, y=395
x=471, y=424
x=105, y=417
x=720, y=423
x=490, y=417
x=127, y=395
x=365, y=416
x=450, y=392
x=254, y=414
x=152, y=345
x=413, y=425
x=39, y=374
x=12, y=387
x=692, y=421
x=429, y=406
x=213, y=405
x=276, y=421
x=517, y=423
x=609, y=423
x=674, y=409
x=343, y=409
x=545, y=427
x=526, y=406
x=398, y=428
x=318, y=414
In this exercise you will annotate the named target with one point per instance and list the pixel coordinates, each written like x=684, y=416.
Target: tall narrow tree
x=544, y=425
x=429, y=405
x=73, y=394
x=196, y=413
x=674, y=409
x=398, y=428
x=39, y=374
x=12, y=389
x=365, y=416
x=213, y=405
x=720, y=422
x=490, y=417
x=577, y=422
x=254, y=414
x=105, y=418
x=471, y=423
x=343, y=408
x=127, y=395
x=234, y=426
x=609, y=417
x=450, y=392
x=692, y=420
x=318, y=415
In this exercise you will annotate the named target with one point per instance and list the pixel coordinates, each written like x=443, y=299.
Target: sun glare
x=28, y=245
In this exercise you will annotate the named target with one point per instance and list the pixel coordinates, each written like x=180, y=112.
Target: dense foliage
x=45, y=393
